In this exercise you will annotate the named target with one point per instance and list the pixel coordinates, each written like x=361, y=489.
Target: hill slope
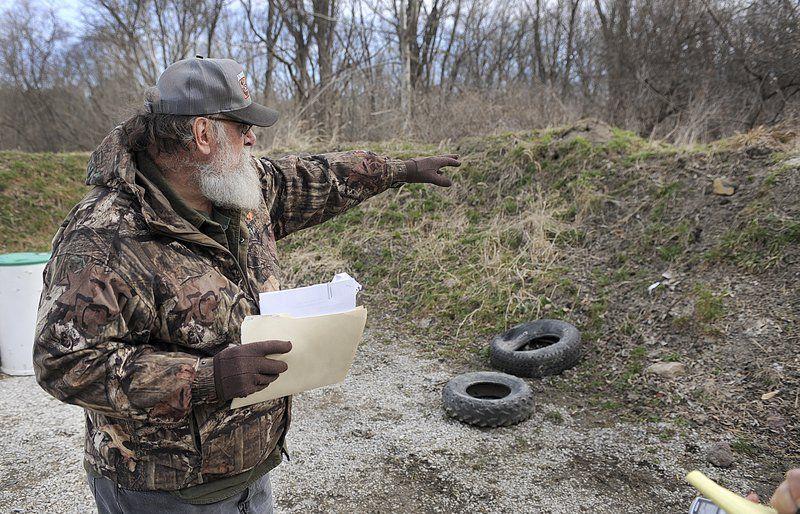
x=576, y=223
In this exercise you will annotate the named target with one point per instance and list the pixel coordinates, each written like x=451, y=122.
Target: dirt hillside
x=625, y=238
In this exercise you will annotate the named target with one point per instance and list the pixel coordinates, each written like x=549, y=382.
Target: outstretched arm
x=306, y=191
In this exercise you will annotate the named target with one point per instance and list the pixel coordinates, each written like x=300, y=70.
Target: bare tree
x=32, y=41
x=149, y=35
x=678, y=69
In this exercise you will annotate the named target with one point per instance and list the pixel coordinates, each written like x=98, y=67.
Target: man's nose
x=250, y=138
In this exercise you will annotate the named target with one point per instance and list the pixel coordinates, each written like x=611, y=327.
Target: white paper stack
x=324, y=326
x=338, y=295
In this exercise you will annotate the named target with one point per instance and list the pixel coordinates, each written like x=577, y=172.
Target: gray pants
x=110, y=499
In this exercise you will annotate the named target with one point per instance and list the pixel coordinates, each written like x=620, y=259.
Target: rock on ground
x=721, y=455
x=667, y=369
x=380, y=442
x=723, y=187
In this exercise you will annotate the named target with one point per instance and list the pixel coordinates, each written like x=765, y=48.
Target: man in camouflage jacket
x=149, y=281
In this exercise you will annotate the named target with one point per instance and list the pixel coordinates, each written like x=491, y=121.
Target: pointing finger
x=448, y=160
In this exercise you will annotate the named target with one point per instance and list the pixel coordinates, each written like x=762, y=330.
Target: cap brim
x=254, y=114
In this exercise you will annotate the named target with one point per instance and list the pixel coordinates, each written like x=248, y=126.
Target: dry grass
x=777, y=138
x=475, y=257
x=433, y=253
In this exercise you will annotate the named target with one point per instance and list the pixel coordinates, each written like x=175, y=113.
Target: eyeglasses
x=243, y=128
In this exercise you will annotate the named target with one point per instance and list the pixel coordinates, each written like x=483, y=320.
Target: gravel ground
x=380, y=442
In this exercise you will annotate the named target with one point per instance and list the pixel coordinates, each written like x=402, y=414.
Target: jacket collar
x=112, y=166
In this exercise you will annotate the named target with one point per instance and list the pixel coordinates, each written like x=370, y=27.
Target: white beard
x=229, y=180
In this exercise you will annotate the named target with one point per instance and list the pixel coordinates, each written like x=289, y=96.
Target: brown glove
x=239, y=371
x=427, y=169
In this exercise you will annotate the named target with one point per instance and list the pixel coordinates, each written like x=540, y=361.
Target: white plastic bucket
x=20, y=289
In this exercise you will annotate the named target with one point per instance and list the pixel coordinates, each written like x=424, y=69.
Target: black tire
x=488, y=399
x=536, y=349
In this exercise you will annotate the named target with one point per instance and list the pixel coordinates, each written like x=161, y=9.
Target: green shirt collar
x=219, y=218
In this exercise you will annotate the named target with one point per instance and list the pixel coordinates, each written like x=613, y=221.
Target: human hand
x=786, y=498
x=427, y=170
x=244, y=369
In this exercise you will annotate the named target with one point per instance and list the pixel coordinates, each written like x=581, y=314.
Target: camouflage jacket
x=136, y=301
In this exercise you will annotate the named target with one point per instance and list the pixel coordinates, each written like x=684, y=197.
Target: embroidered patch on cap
x=243, y=84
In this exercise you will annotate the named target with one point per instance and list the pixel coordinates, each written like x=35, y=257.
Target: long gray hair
x=167, y=133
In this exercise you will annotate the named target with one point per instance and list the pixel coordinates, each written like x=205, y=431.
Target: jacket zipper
x=288, y=415
x=198, y=445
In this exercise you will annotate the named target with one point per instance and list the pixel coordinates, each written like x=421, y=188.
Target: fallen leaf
x=771, y=394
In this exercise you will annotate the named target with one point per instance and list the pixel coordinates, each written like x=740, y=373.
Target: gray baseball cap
x=198, y=86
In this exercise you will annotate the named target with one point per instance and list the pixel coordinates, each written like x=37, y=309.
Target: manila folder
x=323, y=349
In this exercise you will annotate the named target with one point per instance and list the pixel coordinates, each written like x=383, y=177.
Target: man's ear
x=203, y=134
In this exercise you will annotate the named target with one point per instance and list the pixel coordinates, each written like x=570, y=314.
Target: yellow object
x=323, y=349
x=731, y=502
